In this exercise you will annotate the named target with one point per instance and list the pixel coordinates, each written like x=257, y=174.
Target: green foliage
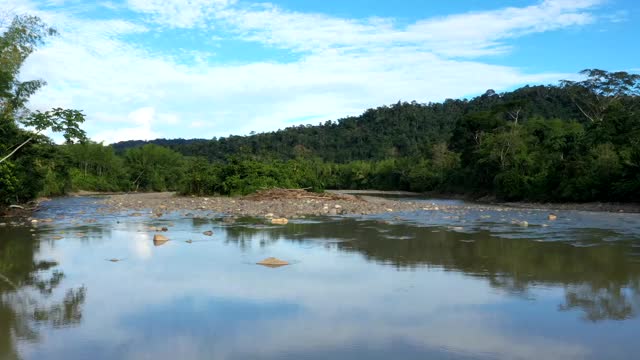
x=65, y=121
x=96, y=167
x=30, y=163
x=9, y=182
x=154, y=168
x=579, y=141
x=601, y=90
x=530, y=144
x=200, y=178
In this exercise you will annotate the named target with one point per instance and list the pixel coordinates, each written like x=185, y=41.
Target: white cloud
x=344, y=65
x=470, y=34
x=432, y=317
x=110, y=5
x=178, y=13
x=142, y=120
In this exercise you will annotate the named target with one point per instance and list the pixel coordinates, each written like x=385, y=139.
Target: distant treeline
x=577, y=141
x=397, y=131
x=534, y=143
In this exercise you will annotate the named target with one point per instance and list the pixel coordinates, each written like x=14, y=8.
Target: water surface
x=467, y=283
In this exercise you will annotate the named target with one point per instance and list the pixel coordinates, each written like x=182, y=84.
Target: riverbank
x=295, y=204
x=492, y=201
x=593, y=207
x=19, y=211
x=286, y=204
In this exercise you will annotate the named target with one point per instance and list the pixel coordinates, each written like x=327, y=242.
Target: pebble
x=261, y=208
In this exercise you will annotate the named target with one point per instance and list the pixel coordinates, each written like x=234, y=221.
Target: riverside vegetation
x=575, y=141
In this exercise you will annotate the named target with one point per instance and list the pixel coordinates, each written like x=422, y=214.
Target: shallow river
x=467, y=283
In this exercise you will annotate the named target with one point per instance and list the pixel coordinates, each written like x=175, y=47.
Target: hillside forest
x=575, y=141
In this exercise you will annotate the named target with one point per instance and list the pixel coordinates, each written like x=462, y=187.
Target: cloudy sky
x=144, y=69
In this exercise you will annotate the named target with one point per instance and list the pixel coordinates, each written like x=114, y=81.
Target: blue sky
x=142, y=69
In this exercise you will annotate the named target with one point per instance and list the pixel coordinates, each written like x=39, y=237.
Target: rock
x=269, y=215
x=189, y=241
x=165, y=229
x=523, y=223
x=280, y=221
x=338, y=206
x=333, y=212
x=56, y=237
x=208, y=233
x=47, y=220
x=34, y=221
x=3, y=224
x=553, y=217
x=272, y=262
x=159, y=240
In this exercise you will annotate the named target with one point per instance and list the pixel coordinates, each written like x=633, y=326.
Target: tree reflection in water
x=27, y=286
x=602, y=280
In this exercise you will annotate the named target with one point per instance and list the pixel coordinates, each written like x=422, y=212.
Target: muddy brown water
x=467, y=283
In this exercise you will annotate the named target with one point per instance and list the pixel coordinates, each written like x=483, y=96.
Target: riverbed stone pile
x=280, y=203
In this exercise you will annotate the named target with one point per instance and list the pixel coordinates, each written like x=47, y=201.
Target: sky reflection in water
x=455, y=285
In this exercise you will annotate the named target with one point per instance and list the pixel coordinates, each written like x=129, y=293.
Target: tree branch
x=584, y=113
x=15, y=150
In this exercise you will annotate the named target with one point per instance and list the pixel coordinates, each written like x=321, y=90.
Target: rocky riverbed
x=287, y=204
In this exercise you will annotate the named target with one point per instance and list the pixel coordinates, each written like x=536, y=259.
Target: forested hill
x=577, y=141
x=400, y=130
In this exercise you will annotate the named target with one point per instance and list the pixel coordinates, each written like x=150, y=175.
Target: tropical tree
x=600, y=90
x=22, y=171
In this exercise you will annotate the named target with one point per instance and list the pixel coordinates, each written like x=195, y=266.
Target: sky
x=146, y=69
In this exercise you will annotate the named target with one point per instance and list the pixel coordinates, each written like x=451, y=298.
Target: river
x=467, y=284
